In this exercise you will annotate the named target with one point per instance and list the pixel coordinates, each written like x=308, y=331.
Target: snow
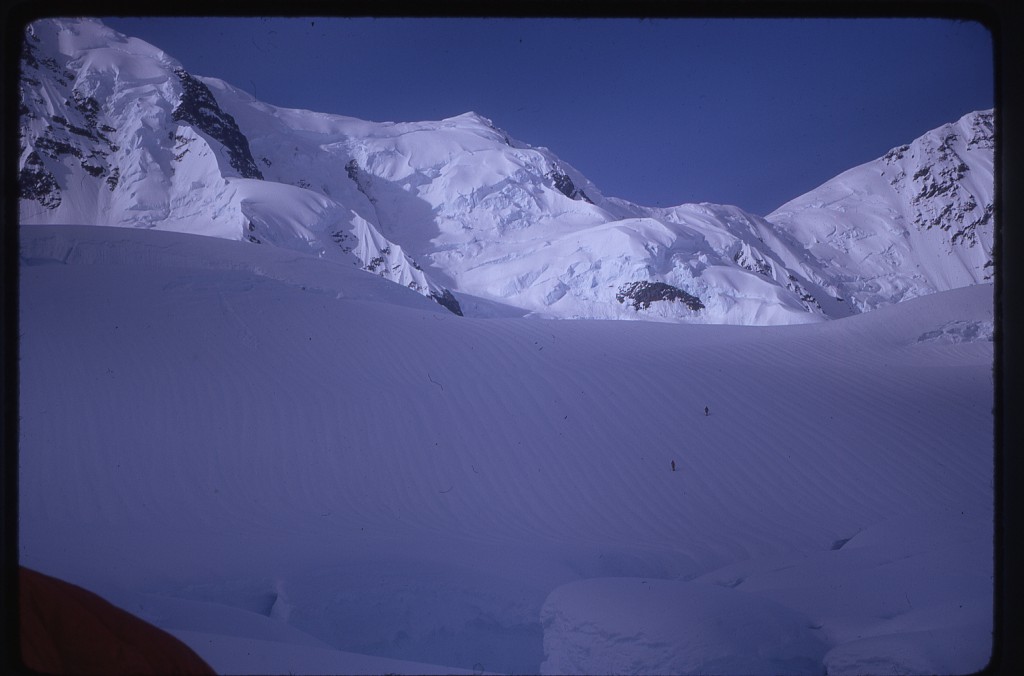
x=630, y=625
x=458, y=205
x=296, y=466
x=851, y=220
x=232, y=430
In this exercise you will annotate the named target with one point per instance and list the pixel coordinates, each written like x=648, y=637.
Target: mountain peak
x=75, y=37
x=916, y=220
x=471, y=116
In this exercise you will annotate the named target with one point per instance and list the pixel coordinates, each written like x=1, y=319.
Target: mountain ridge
x=116, y=132
x=898, y=216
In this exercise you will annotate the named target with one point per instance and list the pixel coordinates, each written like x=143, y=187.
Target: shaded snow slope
x=115, y=132
x=263, y=450
x=630, y=626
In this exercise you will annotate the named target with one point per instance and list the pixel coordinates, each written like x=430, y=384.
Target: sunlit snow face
x=750, y=112
x=459, y=205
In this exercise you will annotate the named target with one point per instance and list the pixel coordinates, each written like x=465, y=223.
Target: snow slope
x=116, y=132
x=877, y=234
x=293, y=465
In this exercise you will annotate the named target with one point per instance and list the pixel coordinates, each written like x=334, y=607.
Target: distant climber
x=673, y=465
x=706, y=410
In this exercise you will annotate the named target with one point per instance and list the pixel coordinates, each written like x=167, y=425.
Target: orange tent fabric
x=68, y=630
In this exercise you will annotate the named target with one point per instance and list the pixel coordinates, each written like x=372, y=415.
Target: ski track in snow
x=188, y=431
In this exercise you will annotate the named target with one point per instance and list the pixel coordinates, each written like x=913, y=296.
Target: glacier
x=251, y=415
x=293, y=465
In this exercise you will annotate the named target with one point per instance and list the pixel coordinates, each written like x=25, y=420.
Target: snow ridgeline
x=917, y=220
x=295, y=466
x=116, y=132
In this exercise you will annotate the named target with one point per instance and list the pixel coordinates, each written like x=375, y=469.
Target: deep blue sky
x=751, y=112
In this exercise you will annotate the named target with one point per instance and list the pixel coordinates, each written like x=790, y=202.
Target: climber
x=706, y=410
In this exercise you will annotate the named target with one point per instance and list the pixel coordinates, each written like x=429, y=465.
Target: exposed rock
x=359, y=177
x=642, y=294
x=199, y=108
x=35, y=182
x=748, y=260
x=447, y=300
x=56, y=148
x=565, y=186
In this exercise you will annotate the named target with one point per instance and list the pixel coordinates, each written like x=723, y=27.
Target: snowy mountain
x=248, y=415
x=915, y=221
x=115, y=132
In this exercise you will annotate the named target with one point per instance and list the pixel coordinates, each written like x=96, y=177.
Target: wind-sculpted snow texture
x=295, y=466
x=115, y=132
x=250, y=415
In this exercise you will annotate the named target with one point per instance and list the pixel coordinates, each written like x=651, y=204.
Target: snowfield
x=295, y=466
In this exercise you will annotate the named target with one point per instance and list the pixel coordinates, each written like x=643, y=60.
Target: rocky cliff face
x=940, y=195
x=197, y=107
x=915, y=221
x=70, y=133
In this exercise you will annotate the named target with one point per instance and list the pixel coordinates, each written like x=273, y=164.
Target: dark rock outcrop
x=199, y=108
x=938, y=196
x=448, y=301
x=642, y=294
x=35, y=182
x=565, y=186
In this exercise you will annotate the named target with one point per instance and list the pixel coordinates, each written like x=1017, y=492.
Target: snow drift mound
x=632, y=625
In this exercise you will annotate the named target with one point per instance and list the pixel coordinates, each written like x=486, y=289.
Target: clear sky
x=751, y=112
